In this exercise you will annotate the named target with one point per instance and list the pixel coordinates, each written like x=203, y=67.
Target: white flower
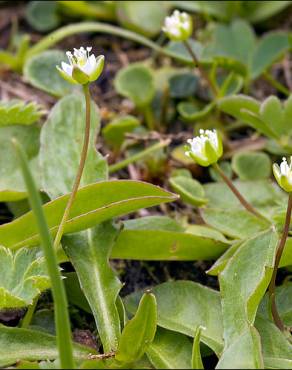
x=206, y=148
x=83, y=67
x=283, y=174
x=178, y=27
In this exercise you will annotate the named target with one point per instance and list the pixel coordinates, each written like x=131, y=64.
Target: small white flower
x=283, y=174
x=206, y=148
x=83, y=67
x=178, y=27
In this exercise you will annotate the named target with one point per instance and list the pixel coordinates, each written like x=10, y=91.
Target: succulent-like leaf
x=22, y=277
x=18, y=112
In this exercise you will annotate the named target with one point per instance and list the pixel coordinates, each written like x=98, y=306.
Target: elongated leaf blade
x=94, y=204
x=89, y=253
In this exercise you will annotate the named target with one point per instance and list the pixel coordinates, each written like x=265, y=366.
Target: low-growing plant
x=72, y=222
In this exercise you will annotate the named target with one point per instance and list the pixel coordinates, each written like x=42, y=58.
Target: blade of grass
x=62, y=322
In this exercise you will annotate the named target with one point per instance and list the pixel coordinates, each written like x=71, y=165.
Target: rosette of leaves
x=18, y=112
x=23, y=276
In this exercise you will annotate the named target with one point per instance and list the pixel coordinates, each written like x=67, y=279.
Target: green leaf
x=196, y=353
x=23, y=344
x=222, y=261
x=190, y=190
x=94, y=204
x=40, y=71
x=252, y=165
x=136, y=82
x=74, y=293
x=259, y=11
x=270, y=48
x=61, y=145
x=235, y=41
x=182, y=85
x=244, y=352
x=42, y=16
x=143, y=16
x=283, y=301
x=18, y=112
x=161, y=351
x=191, y=112
x=114, y=132
x=157, y=245
x=89, y=253
x=23, y=277
x=153, y=223
x=12, y=186
x=277, y=351
x=139, y=332
x=234, y=223
x=261, y=194
x=243, y=283
x=245, y=109
x=185, y=305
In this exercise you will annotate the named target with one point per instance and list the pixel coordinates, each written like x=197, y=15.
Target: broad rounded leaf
x=61, y=145
x=42, y=16
x=190, y=190
x=141, y=16
x=185, y=305
x=251, y=166
x=40, y=71
x=136, y=83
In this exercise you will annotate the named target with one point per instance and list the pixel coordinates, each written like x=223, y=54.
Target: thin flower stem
x=80, y=169
x=280, y=248
x=201, y=69
x=62, y=321
x=136, y=157
x=238, y=195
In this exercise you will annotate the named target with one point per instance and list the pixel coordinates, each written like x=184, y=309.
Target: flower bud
x=178, y=27
x=283, y=174
x=83, y=67
x=206, y=148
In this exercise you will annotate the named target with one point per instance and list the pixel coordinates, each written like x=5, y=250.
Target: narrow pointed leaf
x=196, y=353
x=139, y=332
x=94, y=204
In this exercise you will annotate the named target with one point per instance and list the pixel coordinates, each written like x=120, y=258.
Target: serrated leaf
x=251, y=165
x=23, y=276
x=23, y=344
x=139, y=332
x=40, y=71
x=162, y=355
x=61, y=145
x=18, y=112
x=237, y=223
x=190, y=190
x=12, y=186
x=243, y=283
x=89, y=253
x=136, y=82
x=93, y=204
x=185, y=305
